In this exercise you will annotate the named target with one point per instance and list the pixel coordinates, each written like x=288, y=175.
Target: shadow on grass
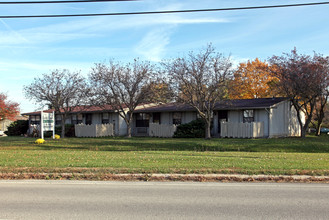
x=293, y=145
x=311, y=144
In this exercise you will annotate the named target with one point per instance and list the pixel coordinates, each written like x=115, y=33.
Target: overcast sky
x=31, y=47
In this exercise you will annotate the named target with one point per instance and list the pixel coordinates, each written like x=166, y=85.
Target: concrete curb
x=167, y=177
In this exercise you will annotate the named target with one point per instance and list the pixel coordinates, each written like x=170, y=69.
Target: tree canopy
x=60, y=89
x=8, y=109
x=201, y=80
x=303, y=79
x=123, y=86
x=252, y=79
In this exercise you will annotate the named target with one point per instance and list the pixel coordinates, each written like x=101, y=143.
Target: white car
x=1, y=133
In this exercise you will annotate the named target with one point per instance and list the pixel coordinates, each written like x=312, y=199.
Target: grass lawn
x=161, y=155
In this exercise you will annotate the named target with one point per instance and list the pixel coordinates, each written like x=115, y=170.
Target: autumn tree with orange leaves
x=252, y=80
x=8, y=109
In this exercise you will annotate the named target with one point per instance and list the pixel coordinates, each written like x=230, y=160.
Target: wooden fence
x=242, y=130
x=96, y=130
x=161, y=130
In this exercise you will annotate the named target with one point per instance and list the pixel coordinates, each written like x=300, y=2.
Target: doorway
x=222, y=116
x=88, y=119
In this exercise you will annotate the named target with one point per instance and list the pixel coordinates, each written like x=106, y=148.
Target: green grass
x=162, y=155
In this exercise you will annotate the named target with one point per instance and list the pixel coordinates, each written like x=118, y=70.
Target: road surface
x=162, y=200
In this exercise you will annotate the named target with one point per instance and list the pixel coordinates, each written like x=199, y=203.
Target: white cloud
x=79, y=28
x=153, y=45
x=237, y=60
x=12, y=32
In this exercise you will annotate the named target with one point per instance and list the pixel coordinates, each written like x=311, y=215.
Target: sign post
x=47, y=123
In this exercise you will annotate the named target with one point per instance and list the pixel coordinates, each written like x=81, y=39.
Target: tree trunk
x=63, y=126
x=320, y=120
x=303, y=132
x=128, y=122
x=318, y=128
x=208, y=131
x=304, y=128
x=128, y=130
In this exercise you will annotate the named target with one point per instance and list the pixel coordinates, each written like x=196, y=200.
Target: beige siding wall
x=294, y=127
x=235, y=116
x=97, y=118
x=283, y=121
x=261, y=115
x=188, y=117
x=166, y=118
x=279, y=120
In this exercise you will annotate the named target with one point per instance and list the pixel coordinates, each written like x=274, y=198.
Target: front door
x=222, y=116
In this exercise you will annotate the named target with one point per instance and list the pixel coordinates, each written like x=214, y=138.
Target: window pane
x=105, y=118
x=248, y=116
x=177, y=115
x=248, y=113
x=80, y=117
x=142, y=120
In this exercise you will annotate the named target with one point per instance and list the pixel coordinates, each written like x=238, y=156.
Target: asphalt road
x=161, y=200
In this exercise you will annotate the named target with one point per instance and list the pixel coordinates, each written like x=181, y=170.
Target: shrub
x=17, y=128
x=40, y=141
x=69, y=130
x=195, y=128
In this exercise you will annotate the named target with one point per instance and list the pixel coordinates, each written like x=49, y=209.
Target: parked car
x=324, y=130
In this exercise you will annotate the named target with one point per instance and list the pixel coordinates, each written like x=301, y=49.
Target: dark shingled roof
x=238, y=104
x=79, y=109
x=85, y=109
x=179, y=107
x=249, y=103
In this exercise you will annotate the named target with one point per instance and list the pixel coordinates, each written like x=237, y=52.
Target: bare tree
x=122, y=86
x=60, y=89
x=304, y=80
x=200, y=80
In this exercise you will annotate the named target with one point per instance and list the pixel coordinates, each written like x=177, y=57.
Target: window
x=248, y=116
x=35, y=119
x=105, y=118
x=142, y=120
x=76, y=119
x=177, y=118
x=157, y=117
x=58, y=120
